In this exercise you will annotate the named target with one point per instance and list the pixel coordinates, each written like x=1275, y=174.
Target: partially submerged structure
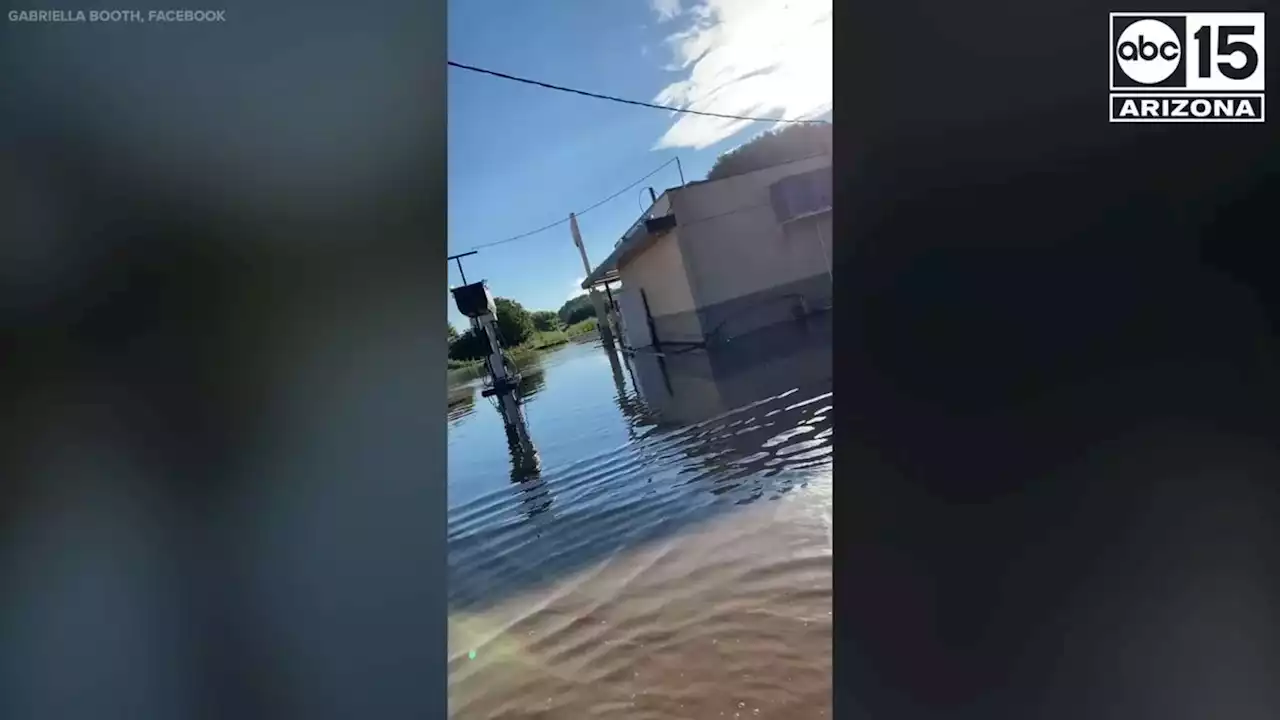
x=716, y=259
x=690, y=387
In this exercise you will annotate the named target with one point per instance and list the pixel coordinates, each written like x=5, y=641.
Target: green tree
x=515, y=324
x=581, y=312
x=794, y=142
x=546, y=321
x=470, y=345
x=576, y=310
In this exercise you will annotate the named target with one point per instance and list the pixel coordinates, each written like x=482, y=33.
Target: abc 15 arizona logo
x=1187, y=67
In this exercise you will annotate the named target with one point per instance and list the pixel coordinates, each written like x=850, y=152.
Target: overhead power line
x=668, y=108
x=580, y=213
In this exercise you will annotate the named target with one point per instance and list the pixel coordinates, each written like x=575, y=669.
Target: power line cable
x=580, y=213
x=637, y=182
x=668, y=108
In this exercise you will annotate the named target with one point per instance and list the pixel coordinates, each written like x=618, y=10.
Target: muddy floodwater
x=669, y=556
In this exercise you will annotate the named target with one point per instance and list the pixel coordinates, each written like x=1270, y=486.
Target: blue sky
x=521, y=157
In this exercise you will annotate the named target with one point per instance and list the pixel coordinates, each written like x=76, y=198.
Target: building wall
x=660, y=271
x=746, y=270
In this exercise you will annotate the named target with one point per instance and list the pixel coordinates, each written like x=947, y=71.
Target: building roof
x=631, y=243
x=635, y=242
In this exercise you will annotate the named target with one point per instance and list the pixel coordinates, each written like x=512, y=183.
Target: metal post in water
x=505, y=385
x=617, y=317
x=475, y=302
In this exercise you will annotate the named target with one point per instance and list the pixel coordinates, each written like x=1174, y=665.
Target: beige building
x=716, y=259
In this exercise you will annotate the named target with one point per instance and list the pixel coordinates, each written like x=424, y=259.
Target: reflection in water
x=532, y=379
x=462, y=398
x=526, y=469
x=526, y=464
x=689, y=387
x=462, y=401
x=685, y=571
x=627, y=399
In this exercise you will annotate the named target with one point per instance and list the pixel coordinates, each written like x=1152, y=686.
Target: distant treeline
x=576, y=310
x=520, y=327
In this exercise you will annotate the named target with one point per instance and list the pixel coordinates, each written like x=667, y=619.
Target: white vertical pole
x=577, y=240
x=604, y=316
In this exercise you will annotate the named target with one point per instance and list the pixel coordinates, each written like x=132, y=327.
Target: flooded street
x=671, y=559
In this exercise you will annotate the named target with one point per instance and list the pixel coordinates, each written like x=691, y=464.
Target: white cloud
x=577, y=289
x=665, y=9
x=747, y=57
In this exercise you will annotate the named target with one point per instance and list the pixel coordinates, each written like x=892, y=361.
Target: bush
x=515, y=324
x=582, y=314
x=548, y=339
x=582, y=327
x=546, y=321
x=470, y=345
x=577, y=310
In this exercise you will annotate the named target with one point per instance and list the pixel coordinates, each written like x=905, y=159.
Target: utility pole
x=604, y=313
x=577, y=241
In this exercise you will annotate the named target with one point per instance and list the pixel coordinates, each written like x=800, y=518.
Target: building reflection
x=690, y=386
x=742, y=414
x=627, y=395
